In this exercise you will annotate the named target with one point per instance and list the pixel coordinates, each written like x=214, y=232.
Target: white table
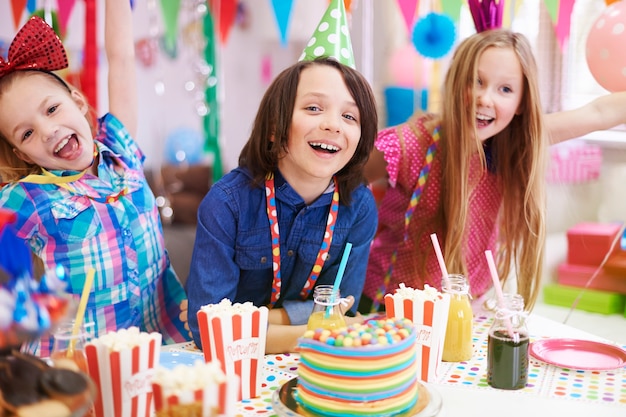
x=552, y=391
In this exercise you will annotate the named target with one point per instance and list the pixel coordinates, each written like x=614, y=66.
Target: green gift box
x=592, y=300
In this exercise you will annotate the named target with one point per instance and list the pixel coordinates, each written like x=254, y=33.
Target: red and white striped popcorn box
x=428, y=310
x=234, y=335
x=122, y=365
x=203, y=383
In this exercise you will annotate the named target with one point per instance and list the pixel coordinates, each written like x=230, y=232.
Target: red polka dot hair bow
x=36, y=46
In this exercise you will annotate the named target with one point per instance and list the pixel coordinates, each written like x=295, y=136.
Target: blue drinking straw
x=342, y=268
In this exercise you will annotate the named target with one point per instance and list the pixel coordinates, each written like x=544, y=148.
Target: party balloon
x=434, y=35
x=184, y=145
x=406, y=67
x=606, y=51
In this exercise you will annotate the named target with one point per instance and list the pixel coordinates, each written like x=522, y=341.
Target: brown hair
x=518, y=154
x=260, y=154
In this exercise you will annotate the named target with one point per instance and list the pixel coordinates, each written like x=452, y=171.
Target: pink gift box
x=124, y=377
x=588, y=243
x=430, y=319
x=237, y=341
x=578, y=275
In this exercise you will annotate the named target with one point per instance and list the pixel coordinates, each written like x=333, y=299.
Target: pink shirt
x=403, y=175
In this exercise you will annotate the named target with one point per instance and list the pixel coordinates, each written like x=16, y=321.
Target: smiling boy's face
x=325, y=127
x=45, y=124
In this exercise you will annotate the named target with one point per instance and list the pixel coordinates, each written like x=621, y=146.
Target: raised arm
x=602, y=113
x=120, y=51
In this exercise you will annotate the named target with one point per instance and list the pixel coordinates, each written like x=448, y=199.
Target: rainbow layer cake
x=367, y=369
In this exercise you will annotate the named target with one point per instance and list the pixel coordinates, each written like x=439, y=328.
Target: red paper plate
x=579, y=354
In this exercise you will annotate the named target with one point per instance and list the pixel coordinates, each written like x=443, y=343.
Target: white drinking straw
x=442, y=264
x=498, y=288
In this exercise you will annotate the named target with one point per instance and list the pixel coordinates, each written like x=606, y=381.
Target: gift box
x=616, y=263
x=122, y=365
x=588, y=243
x=591, y=300
x=234, y=335
x=428, y=310
x=201, y=390
x=579, y=275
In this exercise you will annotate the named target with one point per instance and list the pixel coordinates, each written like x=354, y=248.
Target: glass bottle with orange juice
x=68, y=349
x=326, y=312
x=457, y=346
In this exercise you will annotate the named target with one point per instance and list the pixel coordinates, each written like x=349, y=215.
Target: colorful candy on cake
x=364, y=369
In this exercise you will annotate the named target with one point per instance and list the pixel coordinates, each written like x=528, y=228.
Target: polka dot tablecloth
x=544, y=380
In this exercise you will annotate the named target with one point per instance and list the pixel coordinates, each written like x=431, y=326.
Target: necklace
x=47, y=177
x=272, y=216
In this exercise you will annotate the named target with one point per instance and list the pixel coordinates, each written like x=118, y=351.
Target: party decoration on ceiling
x=170, y=10
x=452, y=9
x=282, y=12
x=332, y=37
x=89, y=74
x=224, y=14
x=64, y=10
x=17, y=7
x=31, y=5
x=408, y=8
x=211, y=119
x=605, y=49
x=434, y=35
x=561, y=14
x=487, y=14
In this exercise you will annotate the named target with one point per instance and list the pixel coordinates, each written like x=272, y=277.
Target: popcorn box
x=234, y=335
x=200, y=391
x=122, y=365
x=428, y=309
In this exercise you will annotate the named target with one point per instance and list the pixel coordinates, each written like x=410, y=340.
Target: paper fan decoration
x=434, y=35
x=332, y=37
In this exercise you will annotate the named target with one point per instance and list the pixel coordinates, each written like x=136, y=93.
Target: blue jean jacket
x=232, y=255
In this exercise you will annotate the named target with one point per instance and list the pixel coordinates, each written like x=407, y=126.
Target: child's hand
x=183, y=316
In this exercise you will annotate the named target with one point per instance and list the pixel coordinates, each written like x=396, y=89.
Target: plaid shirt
x=80, y=228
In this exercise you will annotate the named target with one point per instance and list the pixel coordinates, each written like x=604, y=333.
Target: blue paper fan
x=434, y=35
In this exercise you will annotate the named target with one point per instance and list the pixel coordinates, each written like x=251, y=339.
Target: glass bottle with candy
x=457, y=346
x=326, y=312
x=507, y=345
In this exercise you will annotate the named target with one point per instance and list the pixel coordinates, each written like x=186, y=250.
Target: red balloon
x=605, y=50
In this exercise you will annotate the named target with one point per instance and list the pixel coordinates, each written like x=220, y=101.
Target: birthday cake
x=364, y=369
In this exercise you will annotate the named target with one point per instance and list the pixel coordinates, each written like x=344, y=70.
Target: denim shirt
x=232, y=256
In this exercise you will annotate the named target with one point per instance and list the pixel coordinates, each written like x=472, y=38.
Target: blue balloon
x=184, y=145
x=434, y=35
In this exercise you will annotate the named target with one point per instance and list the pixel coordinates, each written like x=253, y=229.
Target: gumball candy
x=606, y=50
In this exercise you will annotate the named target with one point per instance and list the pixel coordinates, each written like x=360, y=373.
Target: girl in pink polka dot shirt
x=474, y=174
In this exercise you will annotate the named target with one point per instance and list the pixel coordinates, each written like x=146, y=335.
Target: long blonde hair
x=518, y=154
